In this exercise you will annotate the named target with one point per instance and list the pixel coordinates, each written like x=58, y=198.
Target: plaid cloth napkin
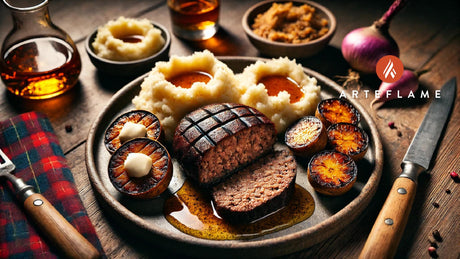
x=29, y=141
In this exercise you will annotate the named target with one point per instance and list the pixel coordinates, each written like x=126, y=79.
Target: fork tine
x=3, y=157
x=5, y=163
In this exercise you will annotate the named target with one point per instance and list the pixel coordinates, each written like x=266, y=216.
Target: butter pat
x=138, y=164
x=132, y=130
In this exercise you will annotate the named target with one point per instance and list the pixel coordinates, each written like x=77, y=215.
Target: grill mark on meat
x=205, y=134
x=213, y=141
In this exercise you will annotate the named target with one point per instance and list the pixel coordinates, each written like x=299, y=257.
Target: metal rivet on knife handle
x=402, y=191
x=38, y=202
x=389, y=221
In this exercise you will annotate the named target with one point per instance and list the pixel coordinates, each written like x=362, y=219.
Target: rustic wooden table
x=429, y=38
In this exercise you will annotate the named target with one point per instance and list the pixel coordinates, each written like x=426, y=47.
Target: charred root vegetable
x=132, y=124
x=336, y=110
x=147, y=174
x=348, y=139
x=332, y=173
x=307, y=136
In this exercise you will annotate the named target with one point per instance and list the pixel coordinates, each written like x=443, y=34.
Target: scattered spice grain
x=437, y=235
x=399, y=133
x=391, y=124
x=435, y=204
x=448, y=191
x=68, y=128
x=432, y=243
x=454, y=175
x=432, y=252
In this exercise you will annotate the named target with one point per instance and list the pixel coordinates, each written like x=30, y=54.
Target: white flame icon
x=389, y=70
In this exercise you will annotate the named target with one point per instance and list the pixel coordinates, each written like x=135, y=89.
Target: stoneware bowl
x=129, y=68
x=279, y=49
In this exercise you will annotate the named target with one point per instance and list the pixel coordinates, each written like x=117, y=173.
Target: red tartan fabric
x=29, y=141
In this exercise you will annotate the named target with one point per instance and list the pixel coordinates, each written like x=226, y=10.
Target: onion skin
x=363, y=47
x=405, y=85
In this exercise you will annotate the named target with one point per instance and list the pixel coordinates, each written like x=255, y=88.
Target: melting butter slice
x=132, y=130
x=138, y=164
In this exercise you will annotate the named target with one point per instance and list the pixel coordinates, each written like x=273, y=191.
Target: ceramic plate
x=145, y=217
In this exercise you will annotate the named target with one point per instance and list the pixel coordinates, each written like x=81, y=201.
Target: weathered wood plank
x=428, y=38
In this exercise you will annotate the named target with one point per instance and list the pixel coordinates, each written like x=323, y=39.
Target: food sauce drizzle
x=134, y=38
x=186, y=80
x=275, y=84
x=191, y=211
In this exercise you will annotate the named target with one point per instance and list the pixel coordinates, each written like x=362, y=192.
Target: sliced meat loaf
x=257, y=190
x=214, y=141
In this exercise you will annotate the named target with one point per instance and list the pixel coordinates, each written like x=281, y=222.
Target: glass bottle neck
x=37, y=18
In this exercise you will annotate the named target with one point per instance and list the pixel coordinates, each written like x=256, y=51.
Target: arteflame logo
x=389, y=69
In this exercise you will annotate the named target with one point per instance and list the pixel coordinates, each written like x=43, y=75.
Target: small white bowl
x=129, y=68
x=279, y=49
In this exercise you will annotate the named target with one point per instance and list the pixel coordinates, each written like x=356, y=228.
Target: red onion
x=406, y=85
x=363, y=47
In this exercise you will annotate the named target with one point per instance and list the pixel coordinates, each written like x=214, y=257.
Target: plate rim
x=277, y=245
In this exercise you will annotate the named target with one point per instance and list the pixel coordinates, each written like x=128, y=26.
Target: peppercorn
x=435, y=204
x=391, y=124
x=454, y=175
x=432, y=252
x=432, y=243
x=399, y=133
x=448, y=191
x=437, y=235
x=68, y=128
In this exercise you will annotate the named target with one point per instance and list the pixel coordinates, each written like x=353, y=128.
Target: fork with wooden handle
x=47, y=218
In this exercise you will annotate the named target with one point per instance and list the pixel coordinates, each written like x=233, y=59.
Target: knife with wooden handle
x=390, y=223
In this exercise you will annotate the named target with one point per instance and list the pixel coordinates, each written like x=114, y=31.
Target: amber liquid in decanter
x=40, y=68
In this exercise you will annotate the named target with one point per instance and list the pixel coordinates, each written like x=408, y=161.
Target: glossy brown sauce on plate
x=191, y=211
x=275, y=84
x=186, y=80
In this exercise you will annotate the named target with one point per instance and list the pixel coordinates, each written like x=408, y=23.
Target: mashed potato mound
x=278, y=108
x=109, y=44
x=171, y=103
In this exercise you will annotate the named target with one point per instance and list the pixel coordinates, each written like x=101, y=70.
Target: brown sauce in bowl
x=275, y=84
x=192, y=212
x=186, y=80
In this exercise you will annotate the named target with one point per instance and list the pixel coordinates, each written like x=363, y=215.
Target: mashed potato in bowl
x=279, y=107
x=170, y=103
x=127, y=39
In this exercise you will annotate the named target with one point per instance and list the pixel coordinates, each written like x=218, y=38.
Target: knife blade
x=388, y=228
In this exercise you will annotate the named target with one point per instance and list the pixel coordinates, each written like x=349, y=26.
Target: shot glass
x=194, y=19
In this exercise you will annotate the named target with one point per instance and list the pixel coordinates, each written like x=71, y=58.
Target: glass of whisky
x=194, y=19
x=38, y=60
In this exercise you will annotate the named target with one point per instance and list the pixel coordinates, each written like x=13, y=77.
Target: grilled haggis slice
x=147, y=119
x=257, y=190
x=214, y=141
